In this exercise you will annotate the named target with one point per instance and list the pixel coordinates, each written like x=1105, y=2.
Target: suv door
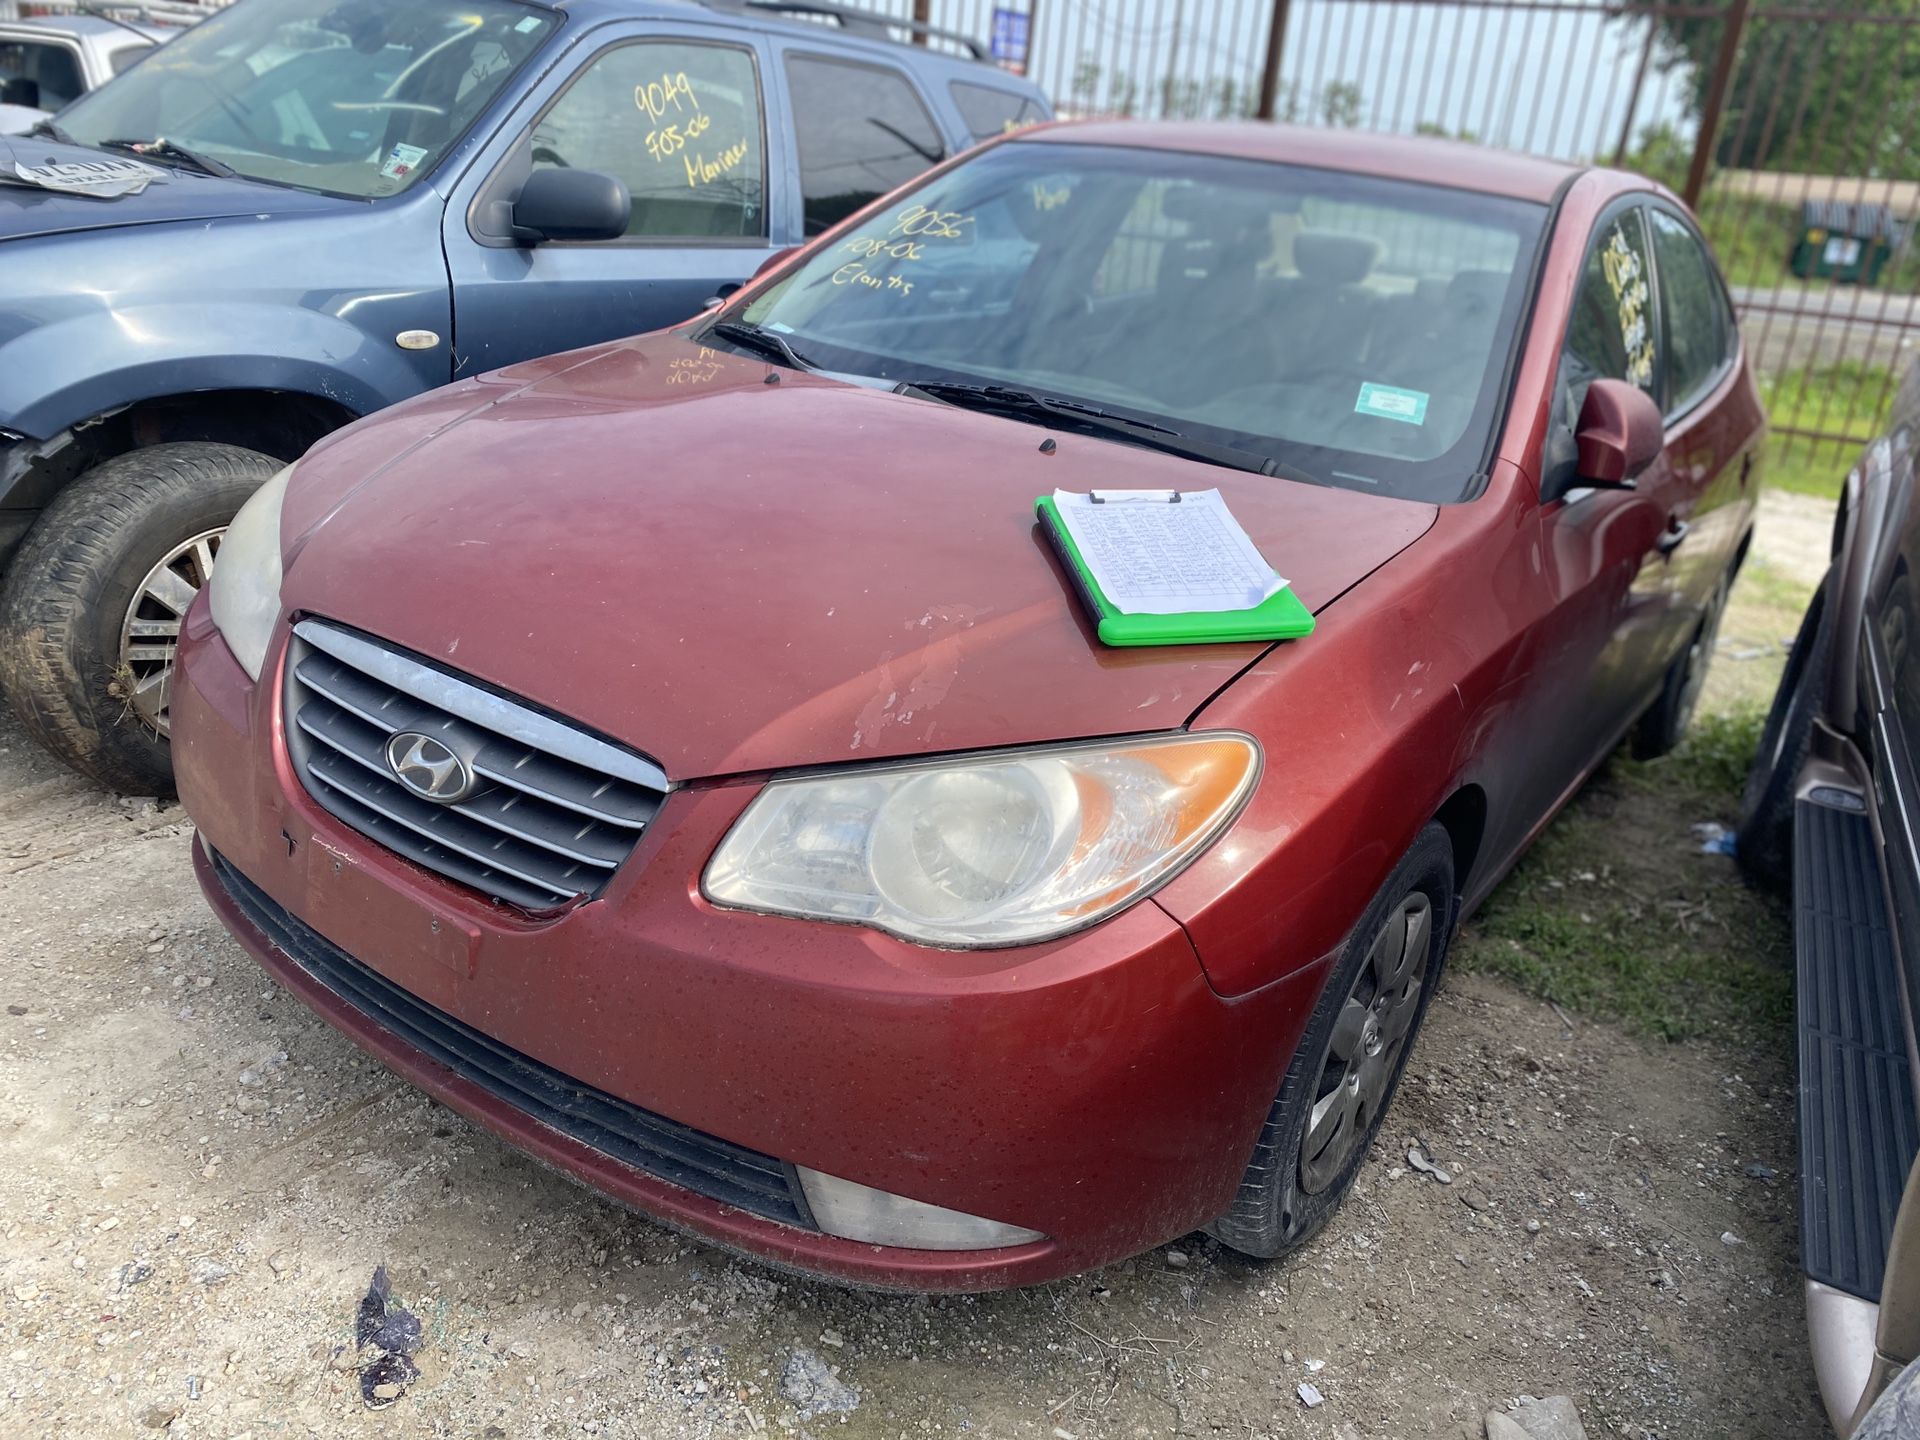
x=678, y=113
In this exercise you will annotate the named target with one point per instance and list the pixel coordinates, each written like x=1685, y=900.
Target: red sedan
x=687, y=758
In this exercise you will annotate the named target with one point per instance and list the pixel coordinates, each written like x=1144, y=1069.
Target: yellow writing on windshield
x=669, y=95
x=855, y=273
x=1046, y=199
x=702, y=171
x=922, y=221
x=1627, y=279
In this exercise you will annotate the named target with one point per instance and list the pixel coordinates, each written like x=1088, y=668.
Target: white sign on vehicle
x=104, y=178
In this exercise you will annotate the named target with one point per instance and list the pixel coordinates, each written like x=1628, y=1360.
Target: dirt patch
x=198, y=1178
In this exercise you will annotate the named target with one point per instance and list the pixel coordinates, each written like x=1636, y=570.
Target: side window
x=53, y=69
x=862, y=131
x=1699, y=329
x=681, y=124
x=989, y=111
x=1611, y=334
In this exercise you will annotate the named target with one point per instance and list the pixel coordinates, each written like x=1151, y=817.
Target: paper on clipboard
x=1153, y=556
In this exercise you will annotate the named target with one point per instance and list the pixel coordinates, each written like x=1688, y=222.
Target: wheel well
x=275, y=422
x=1464, y=818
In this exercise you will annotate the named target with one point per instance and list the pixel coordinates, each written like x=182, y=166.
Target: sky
x=1552, y=81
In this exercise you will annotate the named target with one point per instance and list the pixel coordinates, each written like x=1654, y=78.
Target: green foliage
x=1616, y=912
x=1838, y=97
x=1848, y=397
x=1340, y=104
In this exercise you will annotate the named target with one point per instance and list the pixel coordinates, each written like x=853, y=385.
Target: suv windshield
x=355, y=97
x=1353, y=331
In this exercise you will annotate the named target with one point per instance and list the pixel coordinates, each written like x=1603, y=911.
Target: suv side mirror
x=572, y=205
x=1619, y=435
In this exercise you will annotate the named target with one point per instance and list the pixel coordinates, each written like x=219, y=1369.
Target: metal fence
x=1750, y=108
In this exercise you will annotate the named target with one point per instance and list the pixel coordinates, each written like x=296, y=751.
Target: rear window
x=862, y=131
x=989, y=111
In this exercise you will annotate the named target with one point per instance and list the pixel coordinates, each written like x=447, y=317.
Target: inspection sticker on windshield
x=104, y=178
x=401, y=160
x=1390, y=402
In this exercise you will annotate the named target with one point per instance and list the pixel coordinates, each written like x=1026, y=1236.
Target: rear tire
x=1297, y=1178
x=1763, y=842
x=92, y=602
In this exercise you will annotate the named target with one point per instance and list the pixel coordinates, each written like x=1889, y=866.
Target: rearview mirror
x=572, y=205
x=1619, y=435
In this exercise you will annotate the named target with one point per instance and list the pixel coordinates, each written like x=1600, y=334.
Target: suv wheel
x=1349, y=1062
x=91, y=609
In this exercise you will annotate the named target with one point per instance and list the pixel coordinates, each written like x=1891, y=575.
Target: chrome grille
x=558, y=809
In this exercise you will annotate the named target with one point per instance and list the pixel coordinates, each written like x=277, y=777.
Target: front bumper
x=1094, y=1089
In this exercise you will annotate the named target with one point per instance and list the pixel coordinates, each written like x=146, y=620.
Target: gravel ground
x=198, y=1179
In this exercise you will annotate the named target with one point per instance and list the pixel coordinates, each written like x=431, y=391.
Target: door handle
x=1671, y=537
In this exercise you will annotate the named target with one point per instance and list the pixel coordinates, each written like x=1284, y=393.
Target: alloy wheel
x=1369, y=1035
x=151, y=632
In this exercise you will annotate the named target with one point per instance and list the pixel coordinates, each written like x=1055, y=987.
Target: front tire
x=1349, y=1062
x=91, y=607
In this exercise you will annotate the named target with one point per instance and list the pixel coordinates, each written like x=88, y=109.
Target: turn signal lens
x=985, y=850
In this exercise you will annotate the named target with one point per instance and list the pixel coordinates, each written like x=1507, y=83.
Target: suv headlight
x=989, y=849
x=244, y=592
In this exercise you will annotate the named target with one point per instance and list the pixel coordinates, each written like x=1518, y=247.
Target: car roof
x=1393, y=157
x=794, y=23
x=91, y=27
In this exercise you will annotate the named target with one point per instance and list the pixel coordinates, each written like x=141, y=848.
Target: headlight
x=244, y=593
x=989, y=849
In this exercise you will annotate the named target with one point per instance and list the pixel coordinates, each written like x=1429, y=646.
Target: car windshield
x=1353, y=331
x=354, y=97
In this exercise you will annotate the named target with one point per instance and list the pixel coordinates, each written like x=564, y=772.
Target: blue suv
x=301, y=211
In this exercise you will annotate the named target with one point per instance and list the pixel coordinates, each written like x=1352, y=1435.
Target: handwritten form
x=1152, y=556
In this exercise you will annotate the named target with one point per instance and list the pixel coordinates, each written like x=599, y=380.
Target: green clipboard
x=1280, y=617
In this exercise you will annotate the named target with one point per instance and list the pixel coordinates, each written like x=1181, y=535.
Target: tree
x=1340, y=104
x=1836, y=96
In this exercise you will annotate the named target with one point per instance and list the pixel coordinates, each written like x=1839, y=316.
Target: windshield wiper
x=1024, y=404
x=760, y=341
x=47, y=130
x=165, y=149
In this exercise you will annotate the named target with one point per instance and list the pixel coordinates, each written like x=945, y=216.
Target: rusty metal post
x=922, y=15
x=1716, y=100
x=1276, y=48
x=1633, y=97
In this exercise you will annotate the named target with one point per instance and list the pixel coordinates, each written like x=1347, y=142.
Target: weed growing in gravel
x=1616, y=911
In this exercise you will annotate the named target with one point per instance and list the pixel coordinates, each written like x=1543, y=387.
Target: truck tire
x=91, y=606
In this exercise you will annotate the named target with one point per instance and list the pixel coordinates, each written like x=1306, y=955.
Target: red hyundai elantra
x=686, y=757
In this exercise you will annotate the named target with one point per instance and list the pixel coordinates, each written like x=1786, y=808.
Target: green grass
x=1615, y=912
x=1844, y=398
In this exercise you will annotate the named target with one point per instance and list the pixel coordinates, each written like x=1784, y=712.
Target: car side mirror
x=20, y=91
x=1619, y=435
x=572, y=205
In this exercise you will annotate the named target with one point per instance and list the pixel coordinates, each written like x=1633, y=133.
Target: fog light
x=858, y=1212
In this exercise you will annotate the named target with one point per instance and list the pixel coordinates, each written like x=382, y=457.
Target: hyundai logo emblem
x=430, y=767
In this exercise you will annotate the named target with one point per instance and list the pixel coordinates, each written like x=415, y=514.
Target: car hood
x=175, y=196
x=732, y=572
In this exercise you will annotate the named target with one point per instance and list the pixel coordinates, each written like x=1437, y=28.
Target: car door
x=678, y=113
x=861, y=127
x=1710, y=436
x=1615, y=548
